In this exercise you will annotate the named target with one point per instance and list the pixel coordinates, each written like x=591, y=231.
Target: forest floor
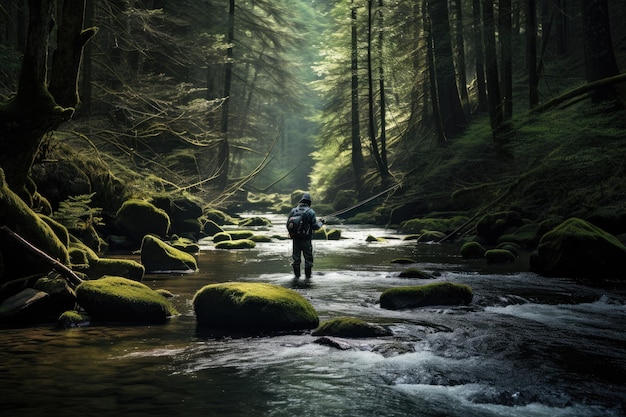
x=563, y=163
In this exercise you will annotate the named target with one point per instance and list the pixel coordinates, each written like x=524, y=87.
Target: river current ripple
x=526, y=346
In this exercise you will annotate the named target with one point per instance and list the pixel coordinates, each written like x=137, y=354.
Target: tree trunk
x=33, y=112
x=479, y=56
x=600, y=60
x=506, y=71
x=442, y=140
x=372, y=128
x=493, y=87
x=358, y=164
x=382, y=98
x=531, y=52
x=451, y=110
x=459, y=47
x=223, y=154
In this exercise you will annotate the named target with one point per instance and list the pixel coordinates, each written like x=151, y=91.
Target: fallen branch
x=69, y=275
x=577, y=92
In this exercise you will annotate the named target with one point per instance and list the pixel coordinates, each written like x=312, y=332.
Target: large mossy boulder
x=350, y=327
x=19, y=218
x=440, y=293
x=126, y=268
x=137, y=218
x=236, y=244
x=578, y=249
x=253, y=307
x=121, y=299
x=158, y=256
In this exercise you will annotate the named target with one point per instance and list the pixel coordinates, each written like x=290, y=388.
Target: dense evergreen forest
x=459, y=105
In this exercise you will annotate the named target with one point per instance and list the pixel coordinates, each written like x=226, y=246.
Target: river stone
x=126, y=268
x=236, y=244
x=26, y=307
x=253, y=306
x=121, y=299
x=158, y=256
x=472, y=250
x=578, y=249
x=137, y=218
x=499, y=256
x=439, y=293
x=350, y=327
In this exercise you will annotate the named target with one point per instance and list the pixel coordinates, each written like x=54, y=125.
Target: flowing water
x=526, y=346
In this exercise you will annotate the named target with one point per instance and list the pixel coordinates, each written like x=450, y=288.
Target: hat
x=305, y=197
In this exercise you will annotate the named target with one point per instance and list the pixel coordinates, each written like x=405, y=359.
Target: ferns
x=75, y=213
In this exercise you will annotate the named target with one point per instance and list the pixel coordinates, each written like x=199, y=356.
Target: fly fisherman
x=301, y=224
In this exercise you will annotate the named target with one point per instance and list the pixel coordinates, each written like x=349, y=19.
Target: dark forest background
x=458, y=103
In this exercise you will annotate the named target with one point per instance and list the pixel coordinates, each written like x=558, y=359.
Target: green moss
x=137, y=218
x=240, y=234
x=158, y=256
x=499, y=256
x=430, y=236
x=255, y=221
x=71, y=319
x=221, y=237
x=58, y=229
x=260, y=238
x=126, y=268
x=350, y=327
x=443, y=225
x=440, y=293
x=253, y=306
x=236, y=244
x=121, y=299
x=21, y=219
x=218, y=216
x=472, y=250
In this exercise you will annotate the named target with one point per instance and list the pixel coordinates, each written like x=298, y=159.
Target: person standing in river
x=301, y=224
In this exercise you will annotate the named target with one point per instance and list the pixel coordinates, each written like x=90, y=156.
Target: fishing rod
x=360, y=203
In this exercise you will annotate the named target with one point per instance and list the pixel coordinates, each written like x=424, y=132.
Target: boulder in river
x=121, y=299
x=158, y=256
x=253, y=306
x=350, y=327
x=137, y=218
x=579, y=249
x=236, y=244
x=439, y=293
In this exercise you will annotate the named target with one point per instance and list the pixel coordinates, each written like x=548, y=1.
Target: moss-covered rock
x=260, y=239
x=371, y=238
x=58, y=229
x=121, y=299
x=210, y=228
x=137, y=218
x=221, y=237
x=126, y=268
x=527, y=236
x=333, y=234
x=440, y=293
x=218, y=216
x=236, y=244
x=158, y=256
x=350, y=327
x=17, y=216
x=72, y=319
x=62, y=297
x=255, y=307
x=472, y=250
x=578, y=249
x=443, y=225
x=499, y=256
x=428, y=236
x=184, y=244
x=240, y=234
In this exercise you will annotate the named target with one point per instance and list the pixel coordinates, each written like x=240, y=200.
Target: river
x=526, y=346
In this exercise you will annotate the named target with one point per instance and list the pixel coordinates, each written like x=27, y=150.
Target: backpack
x=297, y=225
